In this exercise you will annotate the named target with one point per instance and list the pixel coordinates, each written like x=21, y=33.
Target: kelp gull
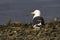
x=38, y=20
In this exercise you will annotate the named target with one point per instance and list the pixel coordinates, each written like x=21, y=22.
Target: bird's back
x=38, y=20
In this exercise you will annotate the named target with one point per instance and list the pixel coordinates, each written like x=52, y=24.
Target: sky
x=20, y=10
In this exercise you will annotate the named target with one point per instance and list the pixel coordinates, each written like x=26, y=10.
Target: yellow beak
x=32, y=13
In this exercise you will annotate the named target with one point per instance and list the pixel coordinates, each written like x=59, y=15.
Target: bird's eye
x=33, y=14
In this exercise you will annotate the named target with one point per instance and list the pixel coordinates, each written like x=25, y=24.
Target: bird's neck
x=36, y=15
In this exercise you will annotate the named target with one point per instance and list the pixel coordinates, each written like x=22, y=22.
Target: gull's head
x=36, y=12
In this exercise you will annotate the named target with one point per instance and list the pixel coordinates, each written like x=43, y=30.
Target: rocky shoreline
x=24, y=31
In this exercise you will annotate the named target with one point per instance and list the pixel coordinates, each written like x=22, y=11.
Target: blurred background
x=20, y=10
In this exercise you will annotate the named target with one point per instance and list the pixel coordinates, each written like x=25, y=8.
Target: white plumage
x=36, y=13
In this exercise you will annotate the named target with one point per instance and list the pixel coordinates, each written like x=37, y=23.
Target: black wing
x=37, y=20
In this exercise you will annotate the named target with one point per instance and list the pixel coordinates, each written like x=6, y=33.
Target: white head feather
x=36, y=13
